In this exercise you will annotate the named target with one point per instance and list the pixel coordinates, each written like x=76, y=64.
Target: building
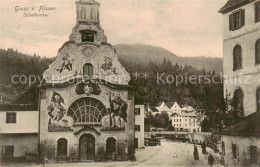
x=186, y=121
x=241, y=49
x=139, y=126
x=18, y=132
x=86, y=107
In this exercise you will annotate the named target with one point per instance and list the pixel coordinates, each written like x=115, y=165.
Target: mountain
x=139, y=53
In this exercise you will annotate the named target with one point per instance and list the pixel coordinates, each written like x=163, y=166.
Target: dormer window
x=237, y=20
x=87, y=35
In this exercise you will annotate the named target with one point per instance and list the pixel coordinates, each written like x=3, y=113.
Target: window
x=137, y=128
x=10, y=117
x=258, y=98
x=137, y=111
x=237, y=20
x=87, y=110
x=62, y=147
x=92, y=14
x=253, y=154
x=238, y=103
x=88, y=70
x=235, y=151
x=257, y=52
x=257, y=12
x=130, y=95
x=83, y=13
x=237, y=57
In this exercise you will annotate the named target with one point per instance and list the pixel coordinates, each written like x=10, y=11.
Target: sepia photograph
x=149, y=83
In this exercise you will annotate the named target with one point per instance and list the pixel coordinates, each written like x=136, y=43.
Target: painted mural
x=72, y=58
x=56, y=109
x=88, y=110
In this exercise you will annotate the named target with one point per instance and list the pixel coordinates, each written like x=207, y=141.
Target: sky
x=188, y=28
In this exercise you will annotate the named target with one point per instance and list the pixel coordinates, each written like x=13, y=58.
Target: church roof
x=249, y=126
x=233, y=4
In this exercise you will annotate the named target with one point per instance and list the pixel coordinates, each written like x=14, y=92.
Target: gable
x=71, y=59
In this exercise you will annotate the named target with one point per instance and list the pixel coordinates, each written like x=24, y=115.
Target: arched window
x=258, y=98
x=87, y=110
x=237, y=57
x=62, y=147
x=238, y=103
x=88, y=70
x=83, y=13
x=257, y=52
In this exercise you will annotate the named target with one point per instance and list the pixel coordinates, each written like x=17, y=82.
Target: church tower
x=86, y=103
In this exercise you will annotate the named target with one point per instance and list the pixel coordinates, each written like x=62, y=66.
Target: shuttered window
x=257, y=52
x=257, y=12
x=237, y=20
x=237, y=57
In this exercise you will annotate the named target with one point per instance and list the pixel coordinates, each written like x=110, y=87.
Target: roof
x=153, y=108
x=233, y=4
x=249, y=126
x=18, y=107
x=169, y=104
x=160, y=103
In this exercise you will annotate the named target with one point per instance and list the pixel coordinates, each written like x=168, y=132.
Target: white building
x=139, y=126
x=186, y=121
x=18, y=127
x=241, y=48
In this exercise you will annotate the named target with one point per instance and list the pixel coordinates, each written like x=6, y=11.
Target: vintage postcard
x=130, y=83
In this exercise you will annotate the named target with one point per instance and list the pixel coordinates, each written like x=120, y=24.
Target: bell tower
x=87, y=28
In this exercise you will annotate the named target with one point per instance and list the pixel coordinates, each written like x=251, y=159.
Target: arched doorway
x=62, y=147
x=111, y=146
x=87, y=147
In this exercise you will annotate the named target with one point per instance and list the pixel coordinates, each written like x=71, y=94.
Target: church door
x=87, y=147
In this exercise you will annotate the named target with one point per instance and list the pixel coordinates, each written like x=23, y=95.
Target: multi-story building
x=186, y=121
x=18, y=132
x=241, y=49
x=139, y=126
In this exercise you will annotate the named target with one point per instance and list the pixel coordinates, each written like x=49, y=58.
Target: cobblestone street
x=167, y=154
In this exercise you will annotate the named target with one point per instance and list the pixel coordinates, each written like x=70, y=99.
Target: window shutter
x=231, y=22
x=237, y=151
x=242, y=17
x=258, y=156
x=257, y=11
x=248, y=155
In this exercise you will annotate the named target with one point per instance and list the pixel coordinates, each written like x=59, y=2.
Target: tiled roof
x=233, y=4
x=249, y=126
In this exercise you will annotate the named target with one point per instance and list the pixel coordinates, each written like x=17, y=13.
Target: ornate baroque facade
x=86, y=104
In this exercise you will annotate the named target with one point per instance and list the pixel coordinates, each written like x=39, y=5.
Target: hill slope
x=144, y=53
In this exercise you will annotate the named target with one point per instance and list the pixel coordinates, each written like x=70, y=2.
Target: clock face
x=88, y=52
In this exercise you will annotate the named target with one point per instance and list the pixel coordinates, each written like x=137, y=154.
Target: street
x=167, y=154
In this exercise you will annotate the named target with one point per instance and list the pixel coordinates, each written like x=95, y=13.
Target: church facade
x=86, y=106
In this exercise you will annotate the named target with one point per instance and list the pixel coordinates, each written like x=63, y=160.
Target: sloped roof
x=249, y=126
x=233, y=4
x=159, y=104
x=169, y=104
x=153, y=108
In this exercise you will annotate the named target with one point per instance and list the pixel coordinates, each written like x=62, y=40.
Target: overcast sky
x=187, y=28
